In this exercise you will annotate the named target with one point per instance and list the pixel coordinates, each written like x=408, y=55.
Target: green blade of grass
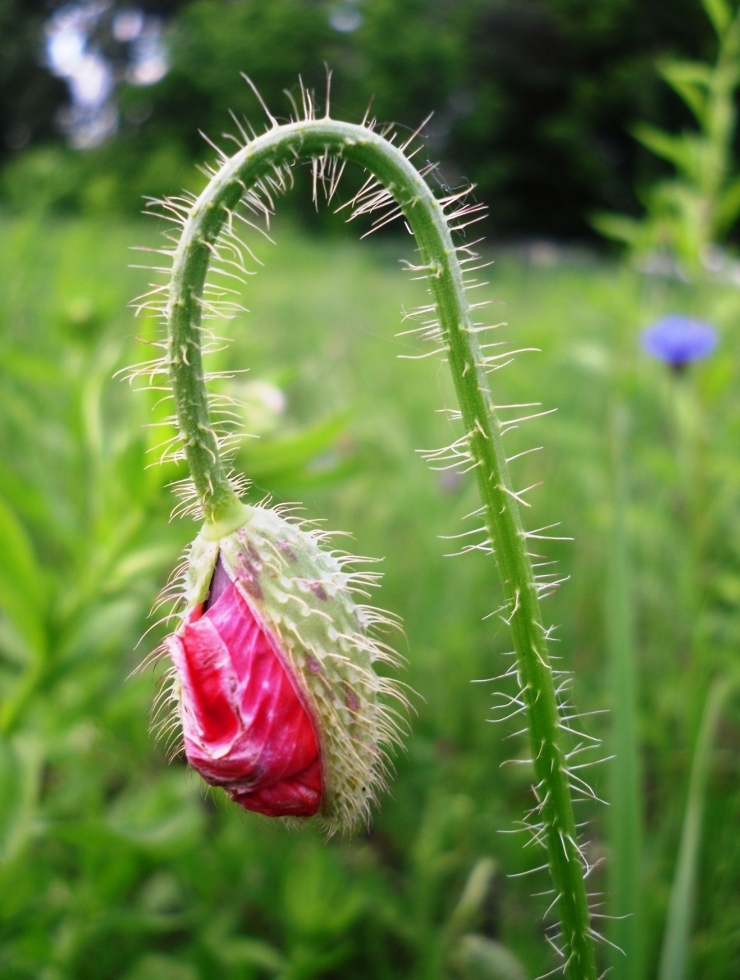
x=625, y=815
x=676, y=938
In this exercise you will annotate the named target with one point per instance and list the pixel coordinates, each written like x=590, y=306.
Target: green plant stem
x=686, y=419
x=12, y=708
x=677, y=937
x=625, y=813
x=309, y=139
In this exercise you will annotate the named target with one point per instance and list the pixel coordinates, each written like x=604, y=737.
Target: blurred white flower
x=262, y=404
x=92, y=115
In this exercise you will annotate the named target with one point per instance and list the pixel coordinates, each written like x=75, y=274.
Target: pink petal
x=246, y=725
x=208, y=686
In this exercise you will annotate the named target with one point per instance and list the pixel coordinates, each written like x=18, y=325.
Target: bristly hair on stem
x=205, y=264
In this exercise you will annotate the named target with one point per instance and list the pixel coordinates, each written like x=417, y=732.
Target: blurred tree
x=404, y=59
x=32, y=97
x=688, y=214
x=533, y=99
x=212, y=41
x=29, y=94
x=554, y=88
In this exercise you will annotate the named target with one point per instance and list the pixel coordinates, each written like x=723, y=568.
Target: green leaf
x=139, y=564
x=625, y=814
x=155, y=966
x=618, y=227
x=21, y=580
x=234, y=951
x=39, y=371
x=728, y=208
x=101, y=628
x=480, y=958
x=691, y=80
x=162, y=816
x=474, y=894
x=677, y=937
x=28, y=501
x=20, y=772
x=720, y=14
x=675, y=149
x=265, y=459
x=318, y=902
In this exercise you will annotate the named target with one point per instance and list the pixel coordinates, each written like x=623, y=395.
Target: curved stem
x=317, y=138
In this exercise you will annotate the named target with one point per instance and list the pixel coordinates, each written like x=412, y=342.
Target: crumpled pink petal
x=245, y=723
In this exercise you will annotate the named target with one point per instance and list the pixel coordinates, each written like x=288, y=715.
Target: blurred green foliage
x=532, y=99
x=675, y=958
x=688, y=215
x=114, y=864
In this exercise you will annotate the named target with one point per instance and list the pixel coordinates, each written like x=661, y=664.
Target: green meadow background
x=116, y=864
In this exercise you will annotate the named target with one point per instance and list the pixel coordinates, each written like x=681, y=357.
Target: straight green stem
x=675, y=952
x=625, y=813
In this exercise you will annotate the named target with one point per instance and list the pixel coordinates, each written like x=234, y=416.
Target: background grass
x=114, y=864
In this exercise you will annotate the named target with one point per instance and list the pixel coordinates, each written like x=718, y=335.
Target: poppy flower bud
x=273, y=673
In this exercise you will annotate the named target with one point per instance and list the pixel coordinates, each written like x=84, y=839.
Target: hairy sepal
x=304, y=596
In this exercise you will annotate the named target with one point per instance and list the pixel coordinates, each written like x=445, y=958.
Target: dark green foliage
x=533, y=99
x=29, y=95
x=689, y=214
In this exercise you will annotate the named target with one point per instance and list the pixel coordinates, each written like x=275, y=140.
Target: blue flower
x=677, y=340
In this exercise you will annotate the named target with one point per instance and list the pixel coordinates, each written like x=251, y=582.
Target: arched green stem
x=317, y=138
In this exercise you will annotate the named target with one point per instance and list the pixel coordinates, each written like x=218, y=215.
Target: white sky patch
x=86, y=72
x=150, y=63
x=128, y=25
x=345, y=18
x=92, y=115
